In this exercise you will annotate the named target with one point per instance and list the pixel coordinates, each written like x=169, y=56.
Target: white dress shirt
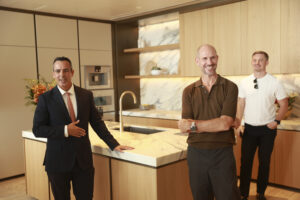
x=74, y=102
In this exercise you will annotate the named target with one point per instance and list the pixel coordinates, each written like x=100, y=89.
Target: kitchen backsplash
x=166, y=93
x=155, y=35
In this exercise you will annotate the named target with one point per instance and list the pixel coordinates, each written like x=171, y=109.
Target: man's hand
x=120, y=148
x=236, y=123
x=184, y=125
x=272, y=125
x=75, y=131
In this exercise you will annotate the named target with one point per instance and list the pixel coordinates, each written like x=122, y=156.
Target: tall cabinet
x=56, y=37
x=17, y=61
x=95, y=43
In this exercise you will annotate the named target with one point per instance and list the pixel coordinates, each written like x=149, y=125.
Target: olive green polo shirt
x=199, y=104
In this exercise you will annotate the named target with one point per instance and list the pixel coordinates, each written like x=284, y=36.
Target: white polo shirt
x=260, y=106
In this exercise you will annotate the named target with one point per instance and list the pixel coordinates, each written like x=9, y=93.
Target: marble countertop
x=292, y=124
x=153, y=150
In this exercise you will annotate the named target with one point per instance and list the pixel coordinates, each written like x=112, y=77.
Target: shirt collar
x=220, y=80
x=71, y=90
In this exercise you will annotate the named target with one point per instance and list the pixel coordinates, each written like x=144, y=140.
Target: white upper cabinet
x=55, y=32
x=16, y=29
x=94, y=36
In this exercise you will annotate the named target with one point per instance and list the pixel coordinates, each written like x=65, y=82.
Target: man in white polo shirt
x=257, y=95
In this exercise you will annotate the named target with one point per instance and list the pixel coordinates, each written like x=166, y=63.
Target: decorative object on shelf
x=34, y=88
x=147, y=106
x=155, y=70
x=291, y=99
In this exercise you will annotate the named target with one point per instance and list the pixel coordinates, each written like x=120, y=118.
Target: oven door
x=104, y=99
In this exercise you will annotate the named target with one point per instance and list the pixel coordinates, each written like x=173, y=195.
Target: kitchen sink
x=142, y=130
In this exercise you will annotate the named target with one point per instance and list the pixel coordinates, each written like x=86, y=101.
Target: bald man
x=208, y=112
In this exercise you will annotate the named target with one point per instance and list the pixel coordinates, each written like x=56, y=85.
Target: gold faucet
x=120, y=102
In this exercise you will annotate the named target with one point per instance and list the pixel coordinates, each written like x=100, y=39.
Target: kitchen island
x=156, y=169
x=285, y=161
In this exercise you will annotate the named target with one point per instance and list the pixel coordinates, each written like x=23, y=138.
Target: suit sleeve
x=41, y=124
x=99, y=126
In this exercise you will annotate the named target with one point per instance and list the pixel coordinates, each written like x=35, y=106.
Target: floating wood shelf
x=154, y=48
x=151, y=76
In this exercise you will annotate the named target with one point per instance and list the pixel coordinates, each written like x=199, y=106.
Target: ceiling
x=113, y=10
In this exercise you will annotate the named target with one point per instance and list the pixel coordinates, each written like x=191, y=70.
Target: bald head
x=206, y=48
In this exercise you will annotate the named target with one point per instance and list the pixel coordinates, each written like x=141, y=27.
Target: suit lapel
x=78, y=100
x=60, y=101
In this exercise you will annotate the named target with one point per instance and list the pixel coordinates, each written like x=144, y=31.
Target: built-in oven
x=97, y=77
x=105, y=103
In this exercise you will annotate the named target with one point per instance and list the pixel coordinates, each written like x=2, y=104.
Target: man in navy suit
x=62, y=116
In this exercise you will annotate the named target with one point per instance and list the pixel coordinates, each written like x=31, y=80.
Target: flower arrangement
x=291, y=100
x=34, y=88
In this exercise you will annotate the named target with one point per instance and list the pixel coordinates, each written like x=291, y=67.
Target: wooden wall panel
x=220, y=27
x=239, y=29
x=290, y=40
x=16, y=29
x=16, y=64
x=227, y=38
x=264, y=30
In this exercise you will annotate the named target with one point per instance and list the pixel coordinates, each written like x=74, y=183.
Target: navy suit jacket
x=51, y=116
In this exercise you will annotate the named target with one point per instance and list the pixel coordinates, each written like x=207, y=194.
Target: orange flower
x=35, y=88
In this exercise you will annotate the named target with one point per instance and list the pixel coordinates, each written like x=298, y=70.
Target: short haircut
x=63, y=58
x=261, y=52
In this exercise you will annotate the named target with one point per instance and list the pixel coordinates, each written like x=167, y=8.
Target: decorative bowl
x=155, y=72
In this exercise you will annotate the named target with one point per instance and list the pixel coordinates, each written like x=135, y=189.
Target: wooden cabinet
x=17, y=29
x=145, y=121
x=264, y=30
x=239, y=29
x=135, y=182
x=102, y=182
x=287, y=163
x=92, y=57
x=94, y=36
x=290, y=41
x=16, y=63
x=56, y=37
x=284, y=164
x=37, y=184
x=56, y=32
x=237, y=154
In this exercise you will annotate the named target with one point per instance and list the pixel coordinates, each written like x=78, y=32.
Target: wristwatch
x=193, y=127
x=277, y=121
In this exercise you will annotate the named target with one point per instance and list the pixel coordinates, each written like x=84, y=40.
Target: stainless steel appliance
x=105, y=99
x=105, y=103
x=97, y=77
